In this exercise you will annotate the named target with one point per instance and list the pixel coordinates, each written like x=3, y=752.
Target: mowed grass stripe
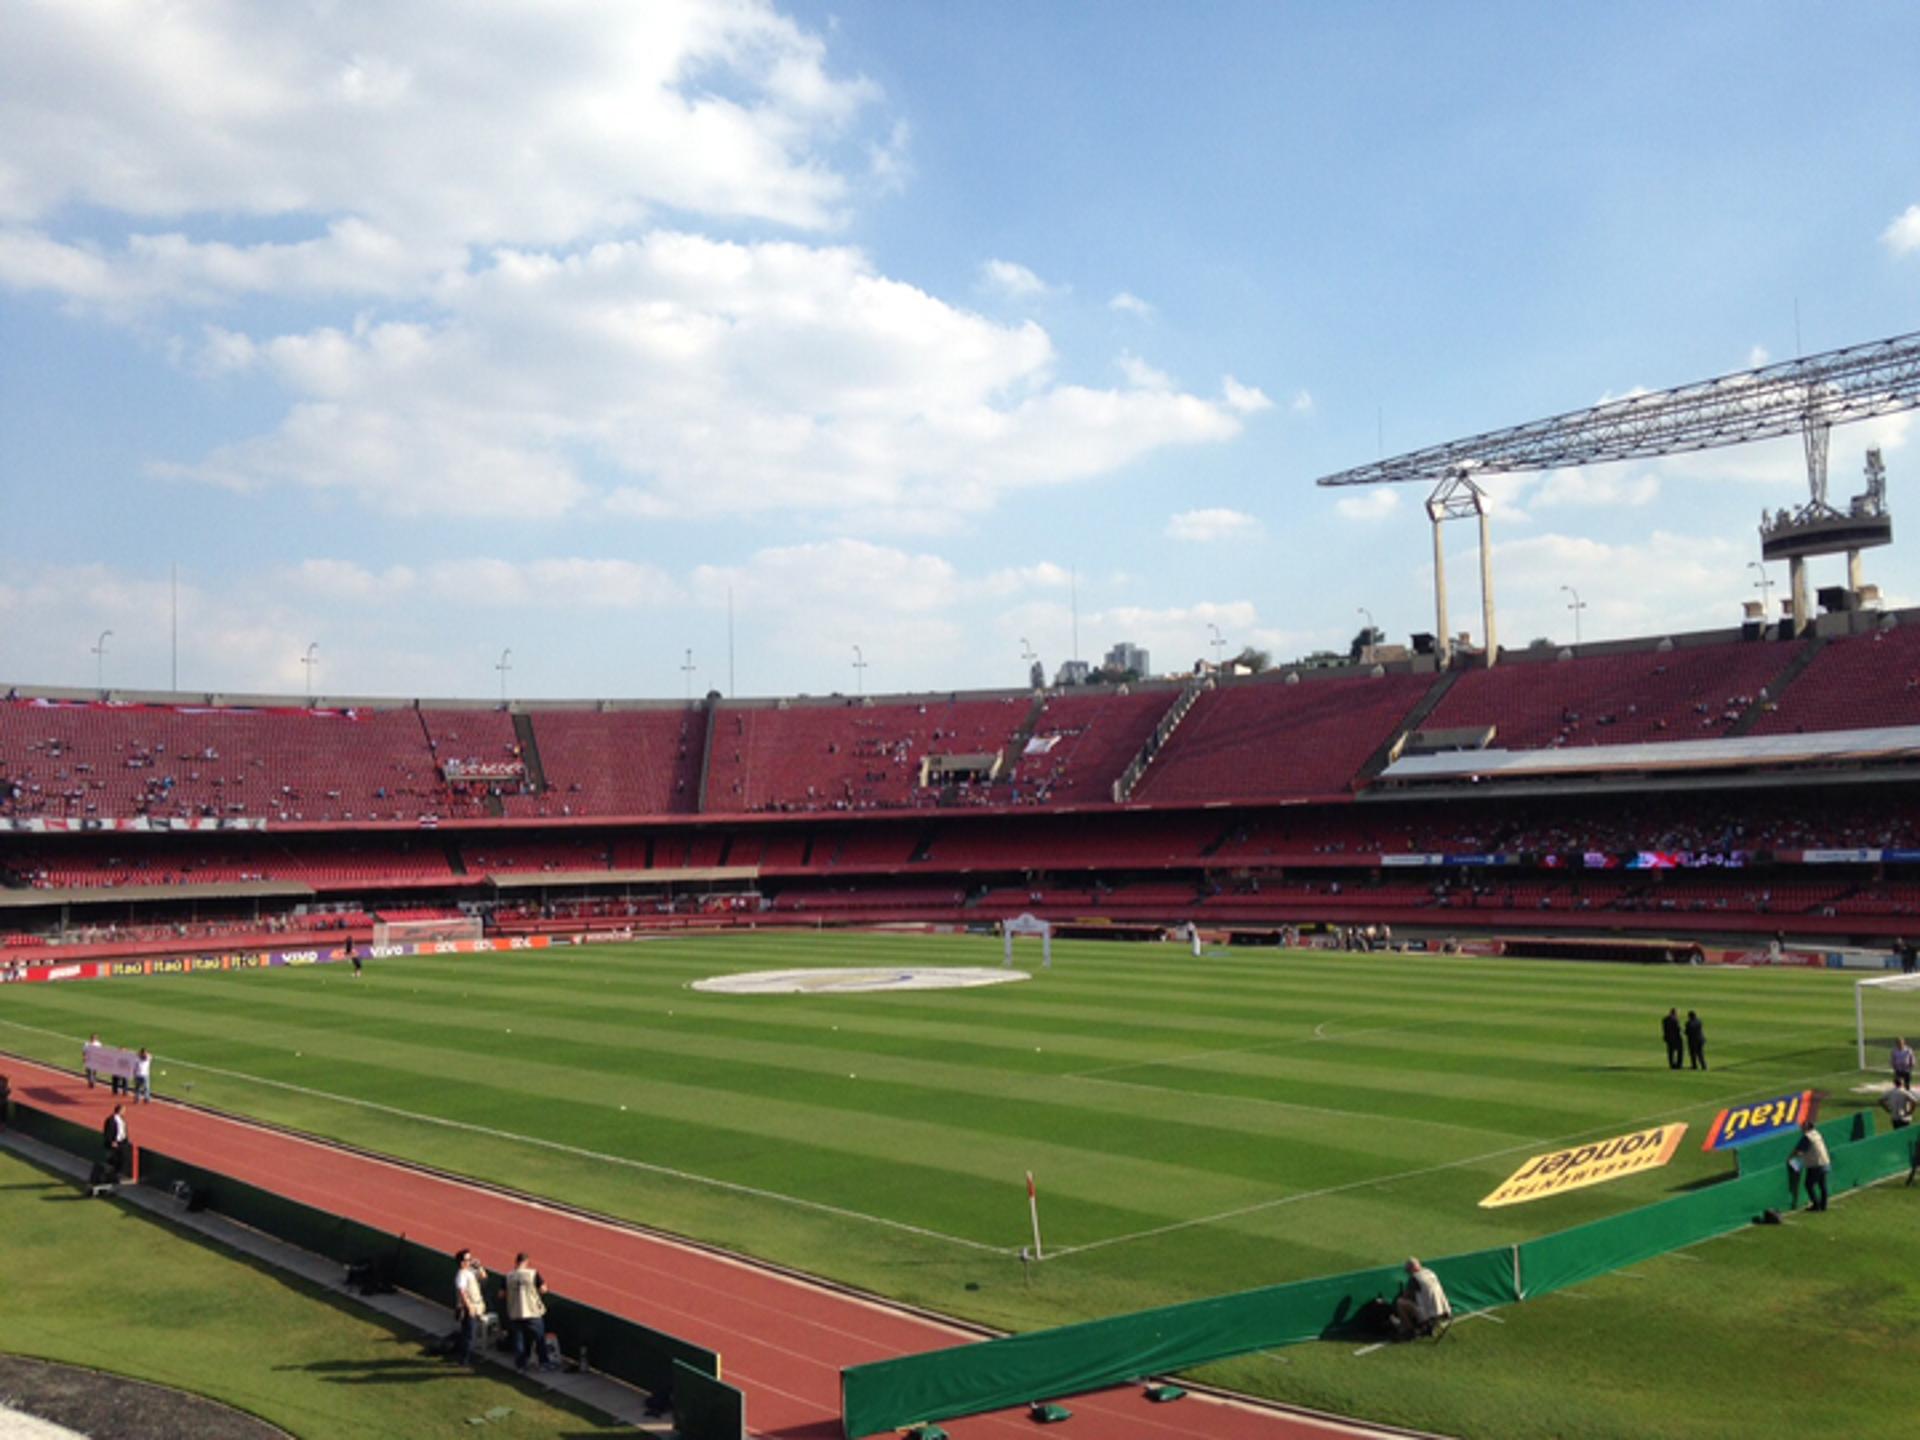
x=955, y=1075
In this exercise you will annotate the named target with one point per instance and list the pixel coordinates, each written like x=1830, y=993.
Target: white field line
x=1061, y=1252
x=1370, y=1116
x=1101, y=1070
x=688, y=1176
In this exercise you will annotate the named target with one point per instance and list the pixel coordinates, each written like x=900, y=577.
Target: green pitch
x=1195, y=1126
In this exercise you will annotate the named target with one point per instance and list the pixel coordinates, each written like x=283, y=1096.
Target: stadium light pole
x=859, y=672
x=100, y=661
x=1765, y=586
x=1027, y=654
x=506, y=657
x=310, y=660
x=1576, y=605
x=1369, y=646
x=1219, y=643
x=687, y=670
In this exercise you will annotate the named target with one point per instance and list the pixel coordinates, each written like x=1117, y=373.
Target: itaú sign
x=1579, y=1166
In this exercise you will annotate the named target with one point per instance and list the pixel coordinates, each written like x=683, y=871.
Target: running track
x=782, y=1340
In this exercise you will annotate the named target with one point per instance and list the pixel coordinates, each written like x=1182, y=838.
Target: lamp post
x=1765, y=586
x=1219, y=643
x=310, y=659
x=100, y=661
x=1576, y=605
x=1027, y=655
x=686, y=669
x=1368, y=648
x=506, y=658
x=859, y=672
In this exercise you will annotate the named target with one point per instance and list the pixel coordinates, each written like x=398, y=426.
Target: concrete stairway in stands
x=1813, y=645
x=1416, y=717
x=1017, y=742
x=530, y=753
x=1189, y=695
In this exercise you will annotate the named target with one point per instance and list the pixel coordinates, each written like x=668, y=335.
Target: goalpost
x=1027, y=925
x=418, y=932
x=1899, y=1019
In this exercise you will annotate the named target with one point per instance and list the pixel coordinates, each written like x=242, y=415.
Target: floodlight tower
x=1808, y=396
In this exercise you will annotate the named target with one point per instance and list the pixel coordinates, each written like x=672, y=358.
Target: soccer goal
x=1886, y=1008
x=1027, y=925
x=427, y=930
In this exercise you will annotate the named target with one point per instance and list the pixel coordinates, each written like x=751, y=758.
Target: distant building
x=1072, y=672
x=1124, y=657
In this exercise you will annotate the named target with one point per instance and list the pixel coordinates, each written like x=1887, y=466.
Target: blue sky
x=426, y=331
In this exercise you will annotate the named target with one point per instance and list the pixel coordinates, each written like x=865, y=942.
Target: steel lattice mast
x=1807, y=396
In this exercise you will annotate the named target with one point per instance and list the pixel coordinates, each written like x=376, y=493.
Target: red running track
x=782, y=1339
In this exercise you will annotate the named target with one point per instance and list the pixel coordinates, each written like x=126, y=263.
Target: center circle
x=853, y=980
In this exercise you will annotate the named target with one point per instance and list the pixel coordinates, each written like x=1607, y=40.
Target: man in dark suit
x=114, y=1135
x=1696, y=1041
x=1670, y=1032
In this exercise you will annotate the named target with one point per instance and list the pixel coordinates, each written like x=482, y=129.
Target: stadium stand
x=848, y=755
x=1270, y=740
x=1695, y=693
x=1854, y=683
x=165, y=824
x=615, y=763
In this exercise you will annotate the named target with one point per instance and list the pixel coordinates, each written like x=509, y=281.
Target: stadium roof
x=1897, y=742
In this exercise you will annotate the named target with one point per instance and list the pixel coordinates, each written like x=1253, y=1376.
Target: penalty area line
x=560, y=1147
x=1376, y=1181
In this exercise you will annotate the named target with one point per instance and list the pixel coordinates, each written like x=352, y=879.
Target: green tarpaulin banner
x=1045, y=1364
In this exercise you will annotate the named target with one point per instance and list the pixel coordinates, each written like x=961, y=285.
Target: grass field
x=1196, y=1126
x=98, y=1284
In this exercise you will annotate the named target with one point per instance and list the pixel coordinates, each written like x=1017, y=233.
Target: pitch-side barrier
x=665, y=1366
x=1016, y=1370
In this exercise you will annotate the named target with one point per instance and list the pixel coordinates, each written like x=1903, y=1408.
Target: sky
x=395, y=337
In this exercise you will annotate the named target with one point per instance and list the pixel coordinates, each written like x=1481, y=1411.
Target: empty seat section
x=1695, y=693
x=616, y=762
x=846, y=756
x=1081, y=743
x=1273, y=740
x=177, y=762
x=1859, y=682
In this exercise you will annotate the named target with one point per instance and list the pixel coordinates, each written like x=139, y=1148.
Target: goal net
x=1886, y=1008
x=423, y=931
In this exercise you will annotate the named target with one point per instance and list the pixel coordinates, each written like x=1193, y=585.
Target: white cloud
x=1142, y=376
x=1374, y=503
x=351, y=258
x=819, y=600
x=1214, y=524
x=1012, y=581
x=1127, y=303
x=1243, y=399
x=1902, y=237
x=532, y=126
x=1610, y=485
x=677, y=375
x=1757, y=356
x=568, y=583
x=503, y=328
x=1657, y=584
x=244, y=634
x=348, y=580
x=1017, y=282
x=887, y=160
x=1303, y=402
